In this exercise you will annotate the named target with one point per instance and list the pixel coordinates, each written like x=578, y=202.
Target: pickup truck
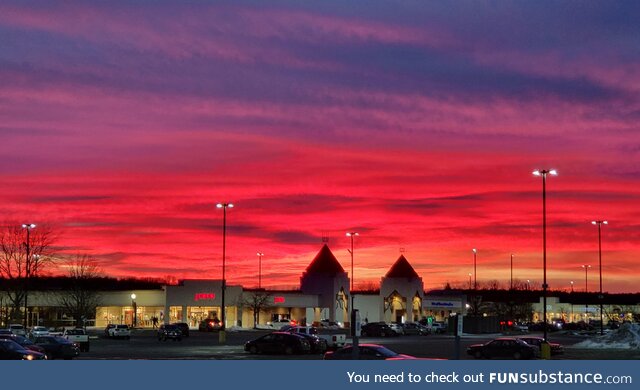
x=78, y=336
x=336, y=340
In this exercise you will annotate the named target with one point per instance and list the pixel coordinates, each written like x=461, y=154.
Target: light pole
x=600, y=297
x=586, y=289
x=475, y=274
x=528, y=284
x=27, y=269
x=135, y=310
x=572, y=286
x=260, y=254
x=356, y=350
x=511, y=284
x=586, y=277
x=469, y=280
x=543, y=173
x=222, y=335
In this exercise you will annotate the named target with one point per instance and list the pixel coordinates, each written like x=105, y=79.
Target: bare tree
x=17, y=267
x=257, y=301
x=81, y=299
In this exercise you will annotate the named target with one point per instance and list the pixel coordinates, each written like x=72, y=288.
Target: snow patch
x=625, y=337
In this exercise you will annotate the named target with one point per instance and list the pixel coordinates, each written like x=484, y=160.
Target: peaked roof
x=401, y=269
x=325, y=263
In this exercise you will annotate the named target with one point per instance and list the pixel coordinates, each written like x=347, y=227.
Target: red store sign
x=199, y=296
x=278, y=299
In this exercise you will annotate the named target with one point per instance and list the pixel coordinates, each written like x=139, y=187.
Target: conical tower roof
x=325, y=263
x=402, y=269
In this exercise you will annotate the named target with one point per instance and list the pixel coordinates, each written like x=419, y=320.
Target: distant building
x=323, y=295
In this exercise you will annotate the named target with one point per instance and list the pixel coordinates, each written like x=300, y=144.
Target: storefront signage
x=441, y=304
x=278, y=299
x=199, y=296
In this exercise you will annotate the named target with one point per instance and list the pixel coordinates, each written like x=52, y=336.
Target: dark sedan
x=169, y=332
x=556, y=348
x=502, y=348
x=10, y=350
x=279, y=342
x=184, y=328
x=23, y=341
x=366, y=352
x=58, y=347
x=317, y=344
x=377, y=329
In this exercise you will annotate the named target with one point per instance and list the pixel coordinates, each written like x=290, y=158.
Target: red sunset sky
x=416, y=124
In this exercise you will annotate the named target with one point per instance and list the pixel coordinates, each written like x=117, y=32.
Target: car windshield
x=16, y=327
x=122, y=326
x=384, y=351
x=21, y=340
x=11, y=346
x=75, y=332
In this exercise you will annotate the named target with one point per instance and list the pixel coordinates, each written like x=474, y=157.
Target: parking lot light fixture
x=600, y=296
x=543, y=173
x=27, y=270
x=222, y=336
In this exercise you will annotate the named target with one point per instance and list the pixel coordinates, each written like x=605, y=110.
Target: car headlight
x=27, y=357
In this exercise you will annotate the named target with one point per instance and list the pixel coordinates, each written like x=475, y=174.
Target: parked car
x=169, y=332
x=23, y=341
x=332, y=340
x=330, y=324
x=37, y=331
x=106, y=330
x=411, y=328
x=366, y=352
x=396, y=328
x=58, y=347
x=279, y=324
x=210, y=325
x=18, y=329
x=184, y=328
x=278, y=342
x=317, y=344
x=78, y=336
x=503, y=348
x=10, y=350
x=120, y=331
x=556, y=348
x=377, y=329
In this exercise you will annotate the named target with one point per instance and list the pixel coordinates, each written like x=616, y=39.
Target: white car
x=278, y=324
x=396, y=327
x=18, y=329
x=37, y=331
x=120, y=331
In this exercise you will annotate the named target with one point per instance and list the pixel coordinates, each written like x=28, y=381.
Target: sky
x=416, y=124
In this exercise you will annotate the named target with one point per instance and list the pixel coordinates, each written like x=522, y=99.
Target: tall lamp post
x=260, y=254
x=469, y=280
x=222, y=335
x=586, y=288
x=572, y=286
x=475, y=273
x=543, y=173
x=27, y=269
x=135, y=310
x=355, y=348
x=600, y=297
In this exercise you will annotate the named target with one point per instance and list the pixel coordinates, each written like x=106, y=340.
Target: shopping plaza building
x=323, y=294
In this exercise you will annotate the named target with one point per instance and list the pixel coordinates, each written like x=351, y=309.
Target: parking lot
x=145, y=345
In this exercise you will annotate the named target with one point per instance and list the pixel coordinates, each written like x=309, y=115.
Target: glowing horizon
x=124, y=125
